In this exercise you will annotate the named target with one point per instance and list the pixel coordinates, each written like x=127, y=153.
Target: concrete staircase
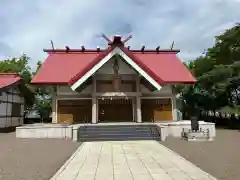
x=118, y=132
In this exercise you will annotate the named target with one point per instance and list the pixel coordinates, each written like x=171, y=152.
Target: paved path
x=128, y=160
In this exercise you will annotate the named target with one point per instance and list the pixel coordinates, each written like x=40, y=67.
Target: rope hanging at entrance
x=116, y=78
x=115, y=101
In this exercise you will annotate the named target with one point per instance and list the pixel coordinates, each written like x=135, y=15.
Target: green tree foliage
x=20, y=66
x=43, y=100
x=37, y=98
x=218, y=75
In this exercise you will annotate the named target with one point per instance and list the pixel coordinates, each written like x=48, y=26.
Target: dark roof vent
x=117, y=40
x=98, y=48
x=67, y=49
x=142, y=48
x=83, y=48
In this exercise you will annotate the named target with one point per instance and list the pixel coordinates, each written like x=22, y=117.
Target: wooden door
x=156, y=110
x=65, y=116
x=74, y=111
x=115, y=110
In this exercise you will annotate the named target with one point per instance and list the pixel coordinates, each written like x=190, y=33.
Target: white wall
x=3, y=109
x=164, y=91
x=110, y=77
x=124, y=68
x=109, y=88
x=6, y=109
x=66, y=90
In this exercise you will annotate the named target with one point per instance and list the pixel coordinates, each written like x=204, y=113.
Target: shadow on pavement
x=7, y=130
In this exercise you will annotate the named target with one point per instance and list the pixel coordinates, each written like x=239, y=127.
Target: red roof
x=167, y=67
x=63, y=67
x=59, y=68
x=7, y=79
x=86, y=68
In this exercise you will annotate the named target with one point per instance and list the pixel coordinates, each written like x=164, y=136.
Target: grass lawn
x=32, y=159
x=220, y=158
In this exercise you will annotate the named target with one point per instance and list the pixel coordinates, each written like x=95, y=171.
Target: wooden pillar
x=138, y=83
x=94, y=110
x=54, y=105
x=139, y=110
x=138, y=101
x=134, y=109
x=94, y=101
x=94, y=83
x=174, y=106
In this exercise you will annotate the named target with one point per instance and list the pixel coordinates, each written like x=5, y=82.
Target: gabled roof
x=68, y=66
x=60, y=68
x=144, y=71
x=9, y=79
x=167, y=66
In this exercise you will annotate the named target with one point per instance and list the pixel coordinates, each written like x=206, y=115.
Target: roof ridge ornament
x=117, y=40
x=52, y=45
x=157, y=49
x=172, y=45
x=127, y=39
x=106, y=38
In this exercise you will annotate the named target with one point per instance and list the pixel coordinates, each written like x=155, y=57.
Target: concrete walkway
x=128, y=160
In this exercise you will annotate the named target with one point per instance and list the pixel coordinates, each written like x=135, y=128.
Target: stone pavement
x=128, y=160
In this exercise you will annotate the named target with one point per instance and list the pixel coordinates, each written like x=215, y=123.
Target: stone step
x=115, y=134
x=118, y=132
x=118, y=138
x=116, y=127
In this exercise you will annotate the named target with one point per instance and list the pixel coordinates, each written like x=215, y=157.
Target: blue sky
x=27, y=26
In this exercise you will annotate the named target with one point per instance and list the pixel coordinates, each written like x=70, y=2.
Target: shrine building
x=115, y=84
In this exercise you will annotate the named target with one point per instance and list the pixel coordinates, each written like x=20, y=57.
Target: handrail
x=159, y=135
x=85, y=123
x=153, y=135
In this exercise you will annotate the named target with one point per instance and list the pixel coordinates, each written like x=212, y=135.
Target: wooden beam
x=117, y=94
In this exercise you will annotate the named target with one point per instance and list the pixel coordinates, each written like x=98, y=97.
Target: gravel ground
x=39, y=159
x=32, y=159
x=220, y=158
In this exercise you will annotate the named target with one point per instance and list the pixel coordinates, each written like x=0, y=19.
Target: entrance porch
x=114, y=109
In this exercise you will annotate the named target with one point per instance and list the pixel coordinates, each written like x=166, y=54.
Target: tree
x=218, y=75
x=227, y=47
x=36, y=98
x=20, y=66
x=43, y=98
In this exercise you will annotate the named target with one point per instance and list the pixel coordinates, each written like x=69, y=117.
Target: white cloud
x=28, y=26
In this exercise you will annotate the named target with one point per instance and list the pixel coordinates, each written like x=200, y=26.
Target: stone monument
x=195, y=133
